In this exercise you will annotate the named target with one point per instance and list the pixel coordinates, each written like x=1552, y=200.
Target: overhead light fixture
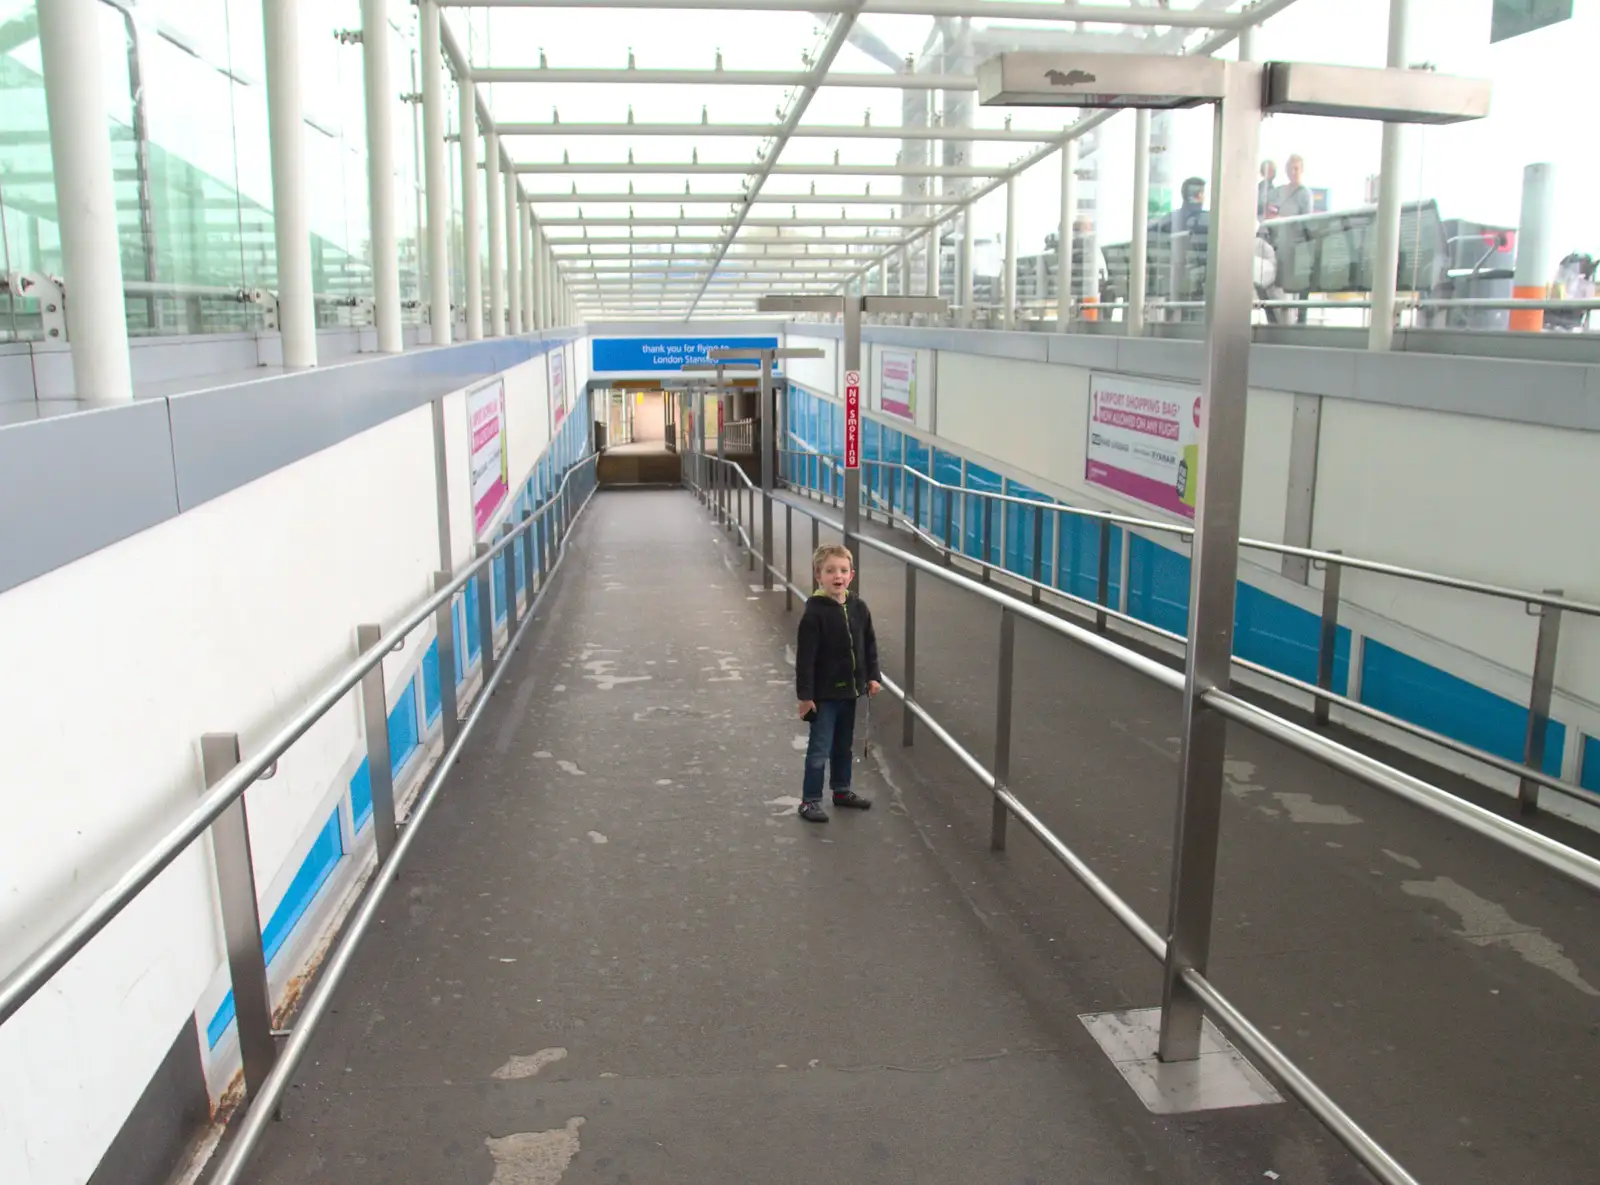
x=1357, y=92
x=1099, y=80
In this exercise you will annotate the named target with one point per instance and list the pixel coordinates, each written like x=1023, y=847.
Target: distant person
x=1575, y=280
x=1190, y=219
x=1191, y=215
x=835, y=664
x=1264, y=188
x=1266, y=274
x=1293, y=200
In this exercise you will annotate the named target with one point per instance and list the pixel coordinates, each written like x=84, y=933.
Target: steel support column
x=380, y=100
x=471, y=228
x=1138, y=268
x=436, y=183
x=1386, y=242
x=291, y=212
x=1215, y=563
x=494, y=198
x=1069, y=216
x=80, y=146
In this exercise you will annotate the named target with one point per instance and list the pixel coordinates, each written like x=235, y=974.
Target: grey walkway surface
x=1444, y=991
x=617, y=956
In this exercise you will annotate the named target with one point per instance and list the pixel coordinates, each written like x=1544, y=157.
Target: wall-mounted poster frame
x=897, y=383
x=1144, y=440
x=486, y=431
x=558, y=386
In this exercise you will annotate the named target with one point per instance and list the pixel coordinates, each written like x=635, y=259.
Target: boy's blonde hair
x=827, y=552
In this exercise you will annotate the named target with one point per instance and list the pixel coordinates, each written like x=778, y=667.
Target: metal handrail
x=37, y=970
x=320, y=999
x=1327, y=697
x=738, y=436
x=1379, y=567
x=1569, y=304
x=1575, y=865
x=1222, y=1012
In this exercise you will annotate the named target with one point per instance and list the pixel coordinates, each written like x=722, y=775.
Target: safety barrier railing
x=733, y=499
x=1033, y=311
x=542, y=533
x=1547, y=606
x=739, y=436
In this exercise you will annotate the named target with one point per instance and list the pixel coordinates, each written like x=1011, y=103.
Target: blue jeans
x=832, y=733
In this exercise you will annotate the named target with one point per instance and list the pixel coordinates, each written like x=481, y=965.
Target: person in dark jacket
x=835, y=664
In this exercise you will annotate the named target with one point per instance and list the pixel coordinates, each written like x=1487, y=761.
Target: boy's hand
x=807, y=707
x=873, y=687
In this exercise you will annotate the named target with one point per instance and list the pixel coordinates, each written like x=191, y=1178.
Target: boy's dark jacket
x=837, y=652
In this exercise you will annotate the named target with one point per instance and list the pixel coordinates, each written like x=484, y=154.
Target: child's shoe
x=852, y=800
x=812, y=812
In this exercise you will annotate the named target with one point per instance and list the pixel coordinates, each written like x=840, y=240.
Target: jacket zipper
x=850, y=638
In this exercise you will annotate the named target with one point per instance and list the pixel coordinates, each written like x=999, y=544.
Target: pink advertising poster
x=558, y=385
x=1144, y=439
x=897, y=383
x=486, y=423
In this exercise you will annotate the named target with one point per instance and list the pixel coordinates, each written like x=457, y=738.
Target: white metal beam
x=717, y=199
x=1114, y=14
x=837, y=36
x=759, y=223
x=759, y=131
x=700, y=268
x=690, y=287
x=698, y=274
x=692, y=276
x=638, y=168
x=1261, y=11
x=693, y=283
x=644, y=264
x=791, y=79
x=660, y=259
x=643, y=267
x=802, y=241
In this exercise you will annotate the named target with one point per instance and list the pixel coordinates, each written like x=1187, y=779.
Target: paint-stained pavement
x=616, y=955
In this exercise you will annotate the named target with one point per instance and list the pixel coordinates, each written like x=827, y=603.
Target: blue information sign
x=613, y=355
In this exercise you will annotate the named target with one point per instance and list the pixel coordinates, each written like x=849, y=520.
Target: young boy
x=836, y=662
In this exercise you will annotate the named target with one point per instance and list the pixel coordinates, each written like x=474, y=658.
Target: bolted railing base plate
x=1219, y=1078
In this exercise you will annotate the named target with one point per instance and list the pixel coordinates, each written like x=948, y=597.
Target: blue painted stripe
x=403, y=742
x=1019, y=533
x=470, y=598
x=1589, y=777
x=361, y=795
x=403, y=738
x=979, y=478
x=925, y=504
x=431, y=704
x=326, y=852
x=1158, y=585
x=1285, y=637
x=946, y=471
x=1080, y=558
x=1394, y=682
x=460, y=642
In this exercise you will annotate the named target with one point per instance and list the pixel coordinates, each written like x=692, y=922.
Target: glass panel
x=1473, y=173
x=28, y=239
